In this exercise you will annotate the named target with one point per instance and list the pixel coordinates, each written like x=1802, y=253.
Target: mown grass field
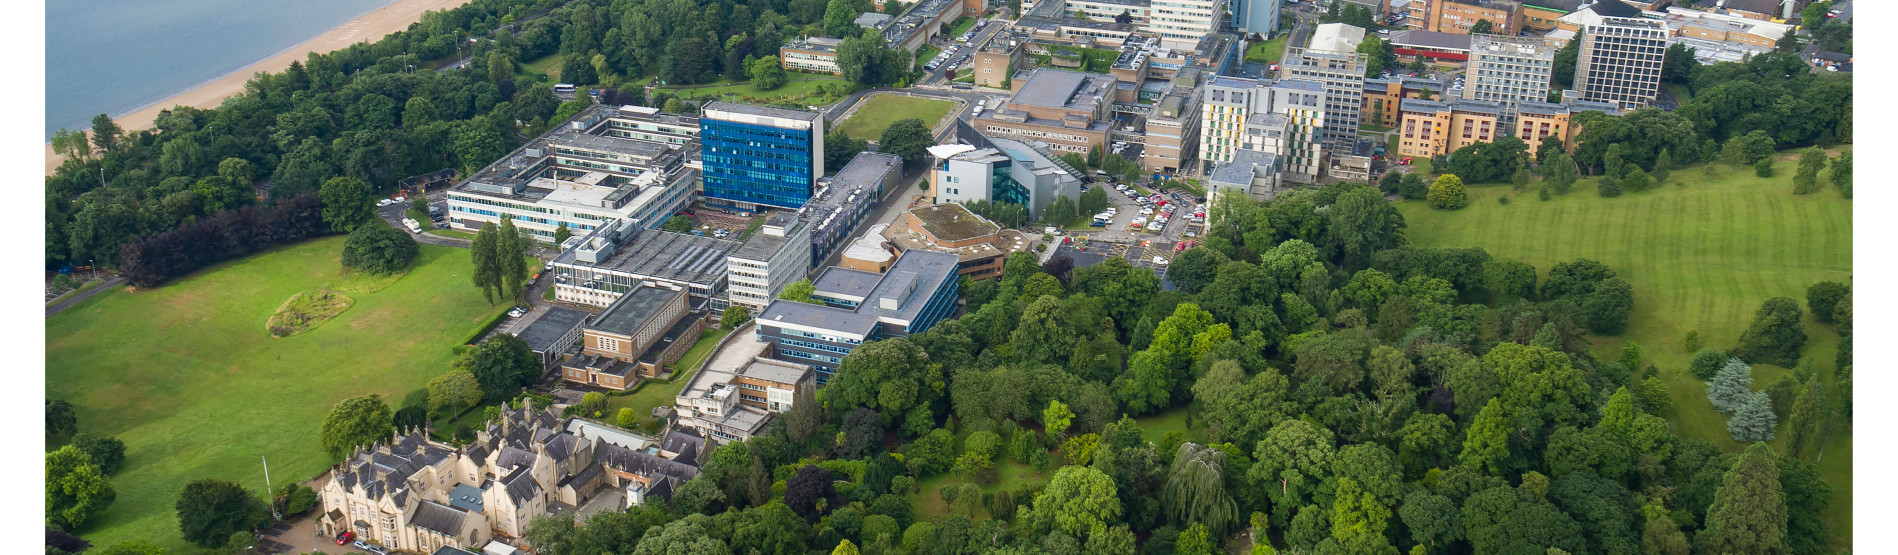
x=186, y=375
x=878, y=112
x=1702, y=253
x=1268, y=51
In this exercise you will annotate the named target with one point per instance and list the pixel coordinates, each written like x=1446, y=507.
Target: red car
x=1405, y=162
x=345, y=537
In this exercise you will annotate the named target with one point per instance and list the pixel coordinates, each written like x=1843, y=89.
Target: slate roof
x=643, y=464
x=438, y=517
x=521, y=487
x=687, y=443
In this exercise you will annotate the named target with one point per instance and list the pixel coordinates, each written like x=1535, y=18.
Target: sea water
x=115, y=56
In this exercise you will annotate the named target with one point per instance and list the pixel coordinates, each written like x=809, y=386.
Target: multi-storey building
x=1331, y=58
x=1172, y=130
x=843, y=201
x=778, y=254
x=996, y=62
x=1458, y=16
x=417, y=495
x=1182, y=23
x=759, y=155
x=734, y=404
x=1251, y=172
x=948, y=228
x=1383, y=96
x=1620, y=61
x=1509, y=71
x=1541, y=15
x=1436, y=128
x=999, y=169
x=607, y=163
x=1285, y=118
x=1066, y=109
x=616, y=258
x=813, y=54
x=1256, y=16
x=646, y=329
x=1536, y=121
x=916, y=293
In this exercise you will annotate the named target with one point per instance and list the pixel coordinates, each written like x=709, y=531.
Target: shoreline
x=371, y=26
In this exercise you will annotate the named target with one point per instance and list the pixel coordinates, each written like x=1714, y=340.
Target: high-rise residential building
x=1620, y=61
x=1331, y=58
x=1285, y=118
x=759, y=155
x=1509, y=71
x=1256, y=16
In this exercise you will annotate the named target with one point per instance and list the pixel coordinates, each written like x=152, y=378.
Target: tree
x=1060, y=212
x=1806, y=179
x=1488, y=442
x=1841, y=174
x=1753, y=419
x=1361, y=222
x=766, y=73
x=562, y=233
x=1706, y=363
x=105, y=134
x=105, y=452
x=810, y=493
x=1777, y=334
x=1730, y=387
x=378, y=248
x=678, y=224
x=1412, y=187
x=1806, y=431
x=908, y=138
x=71, y=144
x=1608, y=187
x=845, y=548
x=840, y=17
x=1559, y=172
x=1606, y=308
x=1447, y=193
x=1196, y=491
x=552, y=533
x=510, y=249
x=76, y=489
x=60, y=417
x=1823, y=297
x=1056, y=418
x=1077, y=500
x=1764, y=167
x=1292, y=461
x=1482, y=27
x=356, y=422
x=211, y=510
x=686, y=536
x=454, y=390
x=1431, y=518
x=502, y=365
x=1748, y=514
x=734, y=317
x=486, y=255
x=346, y=203
x=799, y=291
x=806, y=415
x=839, y=149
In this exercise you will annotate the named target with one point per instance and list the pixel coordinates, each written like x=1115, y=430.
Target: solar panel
x=680, y=261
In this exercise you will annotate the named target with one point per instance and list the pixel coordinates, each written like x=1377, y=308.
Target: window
x=608, y=344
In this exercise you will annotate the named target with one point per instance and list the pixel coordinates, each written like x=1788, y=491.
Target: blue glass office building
x=916, y=293
x=760, y=155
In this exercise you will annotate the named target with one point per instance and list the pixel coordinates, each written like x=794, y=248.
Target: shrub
x=1447, y=193
x=377, y=248
x=1706, y=363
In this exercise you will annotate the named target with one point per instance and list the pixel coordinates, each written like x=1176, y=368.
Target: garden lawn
x=547, y=66
x=188, y=378
x=796, y=88
x=880, y=111
x=658, y=394
x=1268, y=51
x=1702, y=254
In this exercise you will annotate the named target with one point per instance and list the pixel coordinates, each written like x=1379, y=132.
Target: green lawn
x=1154, y=427
x=880, y=111
x=1268, y=51
x=547, y=66
x=188, y=378
x=444, y=232
x=962, y=25
x=1702, y=254
x=657, y=394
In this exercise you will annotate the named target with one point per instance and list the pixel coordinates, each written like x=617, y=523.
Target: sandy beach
x=371, y=26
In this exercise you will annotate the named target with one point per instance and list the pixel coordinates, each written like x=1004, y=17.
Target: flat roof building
x=918, y=291
x=760, y=155
x=1509, y=71
x=776, y=255
x=552, y=333
x=1620, y=61
x=598, y=268
x=1001, y=169
x=1332, y=60
x=844, y=200
x=728, y=404
x=606, y=163
x=646, y=329
x=811, y=54
x=1285, y=118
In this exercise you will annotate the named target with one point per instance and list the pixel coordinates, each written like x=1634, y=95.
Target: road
x=111, y=281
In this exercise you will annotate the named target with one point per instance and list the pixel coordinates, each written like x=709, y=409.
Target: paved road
x=110, y=282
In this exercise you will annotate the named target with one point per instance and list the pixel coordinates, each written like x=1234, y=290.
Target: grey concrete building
x=1620, y=61
x=1332, y=59
x=1509, y=71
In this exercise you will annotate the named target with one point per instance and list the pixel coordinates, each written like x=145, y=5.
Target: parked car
x=345, y=537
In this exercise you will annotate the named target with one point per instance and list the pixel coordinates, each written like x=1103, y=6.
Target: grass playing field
x=878, y=112
x=1702, y=253
x=188, y=378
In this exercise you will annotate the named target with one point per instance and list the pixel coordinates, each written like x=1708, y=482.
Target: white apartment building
x=606, y=164
x=1509, y=71
x=1285, y=118
x=1620, y=61
x=778, y=254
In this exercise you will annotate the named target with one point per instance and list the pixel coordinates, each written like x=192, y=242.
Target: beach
x=371, y=26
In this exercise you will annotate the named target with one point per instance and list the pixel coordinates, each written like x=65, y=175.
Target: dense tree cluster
x=1347, y=393
x=150, y=260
